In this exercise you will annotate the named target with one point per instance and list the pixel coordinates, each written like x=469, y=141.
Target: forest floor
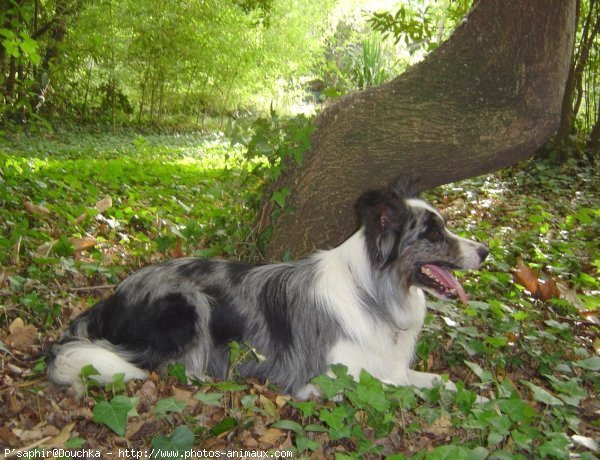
x=80, y=211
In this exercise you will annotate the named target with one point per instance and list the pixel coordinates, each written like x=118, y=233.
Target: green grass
x=195, y=195
x=198, y=194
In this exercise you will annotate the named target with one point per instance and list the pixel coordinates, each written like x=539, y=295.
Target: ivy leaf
x=75, y=443
x=289, y=425
x=166, y=405
x=556, y=447
x=224, y=426
x=29, y=47
x=484, y=376
x=180, y=441
x=457, y=453
x=569, y=391
x=542, y=395
x=591, y=364
x=114, y=413
x=209, y=399
x=516, y=409
x=331, y=386
x=303, y=443
x=369, y=392
x=177, y=370
x=117, y=385
x=306, y=407
x=230, y=386
x=337, y=420
x=280, y=197
x=87, y=376
x=7, y=33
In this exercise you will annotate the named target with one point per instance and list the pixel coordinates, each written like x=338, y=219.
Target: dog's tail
x=73, y=352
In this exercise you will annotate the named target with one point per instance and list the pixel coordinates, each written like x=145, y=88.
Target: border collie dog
x=360, y=304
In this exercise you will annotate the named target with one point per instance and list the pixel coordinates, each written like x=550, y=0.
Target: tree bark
x=567, y=114
x=485, y=99
x=593, y=143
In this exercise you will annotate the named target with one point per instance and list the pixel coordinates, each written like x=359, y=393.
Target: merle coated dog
x=361, y=304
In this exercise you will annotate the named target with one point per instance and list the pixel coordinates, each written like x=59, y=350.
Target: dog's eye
x=434, y=235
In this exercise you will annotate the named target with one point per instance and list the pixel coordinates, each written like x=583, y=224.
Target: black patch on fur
x=226, y=324
x=154, y=330
x=383, y=214
x=275, y=303
x=236, y=271
x=434, y=229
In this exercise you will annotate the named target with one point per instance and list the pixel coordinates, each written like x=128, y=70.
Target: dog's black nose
x=482, y=252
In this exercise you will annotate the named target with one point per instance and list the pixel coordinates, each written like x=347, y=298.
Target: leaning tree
x=483, y=100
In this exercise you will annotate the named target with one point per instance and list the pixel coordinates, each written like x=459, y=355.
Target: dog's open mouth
x=439, y=280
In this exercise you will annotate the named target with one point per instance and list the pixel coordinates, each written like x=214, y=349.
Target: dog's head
x=407, y=236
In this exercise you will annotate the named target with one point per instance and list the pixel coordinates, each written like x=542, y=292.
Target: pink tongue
x=446, y=278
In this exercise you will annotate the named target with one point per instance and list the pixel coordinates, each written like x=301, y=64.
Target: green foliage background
x=141, y=60
x=180, y=63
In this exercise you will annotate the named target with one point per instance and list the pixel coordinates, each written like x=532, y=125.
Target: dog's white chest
x=385, y=352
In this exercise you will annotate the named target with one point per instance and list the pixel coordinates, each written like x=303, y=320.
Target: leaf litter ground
x=80, y=212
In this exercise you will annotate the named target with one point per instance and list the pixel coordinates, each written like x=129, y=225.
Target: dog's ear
x=381, y=214
x=404, y=186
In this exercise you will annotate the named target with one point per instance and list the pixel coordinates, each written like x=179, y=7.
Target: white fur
x=418, y=203
x=341, y=271
x=73, y=356
x=382, y=349
x=385, y=352
x=468, y=248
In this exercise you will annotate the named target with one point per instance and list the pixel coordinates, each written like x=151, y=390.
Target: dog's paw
x=307, y=391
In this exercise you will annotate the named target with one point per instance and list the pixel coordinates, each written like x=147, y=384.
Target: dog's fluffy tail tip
x=66, y=361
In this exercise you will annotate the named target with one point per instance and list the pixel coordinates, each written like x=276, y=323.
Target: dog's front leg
x=427, y=380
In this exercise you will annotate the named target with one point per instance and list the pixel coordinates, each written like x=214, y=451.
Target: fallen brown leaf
x=147, y=429
x=103, y=204
x=148, y=395
x=59, y=439
x=22, y=337
x=36, y=209
x=271, y=436
x=7, y=437
x=177, y=252
x=81, y=244
x=530, y=280
x=287, y=443
x=269, y=406
x=43, y=250
x=548, y=290
x=441, y=425
x=526, y=277
x=186, y=396
x=28, y=435
x=247, y=440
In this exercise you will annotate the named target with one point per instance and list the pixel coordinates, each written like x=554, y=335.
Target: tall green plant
x=370, y=67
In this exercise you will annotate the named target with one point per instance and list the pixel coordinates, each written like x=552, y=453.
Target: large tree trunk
x=485, y=99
